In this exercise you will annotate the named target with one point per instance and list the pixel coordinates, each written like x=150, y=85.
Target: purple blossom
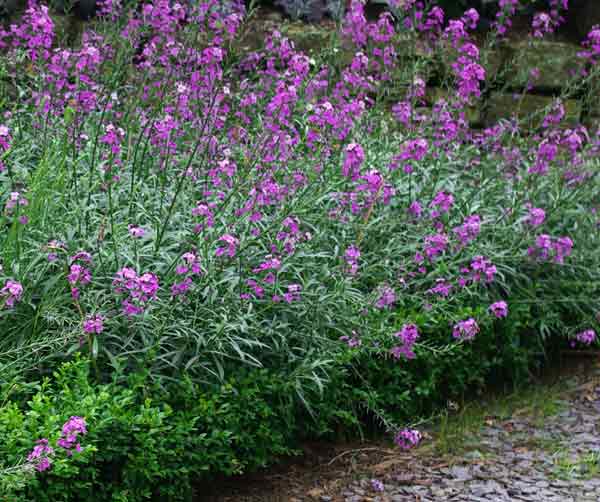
x=441, y=288
x=5, y=138
x=136, y=232
x=353, y=159
x=482, y=268
x=469, y=230
x=435, y=245
x=387, y=297
x=470, y=18
x=377, y=485
x=352, y=341
x=412, y=150
x=12, y=293
x=546, y=247
x=499, y=309
x=415, y=209
x=41, y=455
x=592, y=45
x=231, y=246
x=93, y=324
x=408, y=335
x=15, y=199
x=351, y=257
x=137, y=290
x=586, y=337
x=72, y=429
x=542, y=24
x=442, y=202
x=536, y=216
x=407, y=439
x=112, y=137
x=507, y=9
x=465, y=330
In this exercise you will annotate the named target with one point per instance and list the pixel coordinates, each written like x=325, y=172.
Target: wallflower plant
x=261, y=209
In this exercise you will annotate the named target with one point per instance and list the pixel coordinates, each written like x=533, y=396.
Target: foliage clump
x=261, y=244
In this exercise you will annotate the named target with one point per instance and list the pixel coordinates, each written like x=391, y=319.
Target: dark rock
x=528, y=108
x=556, y=63
x=586, y=14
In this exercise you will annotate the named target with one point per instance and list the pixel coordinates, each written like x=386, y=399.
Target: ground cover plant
x=217, y=253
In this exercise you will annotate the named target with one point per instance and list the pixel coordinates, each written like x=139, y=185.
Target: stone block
x=556, y=62
x=529, y=109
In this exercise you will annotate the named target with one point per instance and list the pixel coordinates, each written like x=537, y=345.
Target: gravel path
x=545, y=447
x=556, y=459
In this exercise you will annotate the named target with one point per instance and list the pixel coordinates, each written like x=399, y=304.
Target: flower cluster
x=42, y=455
x=536, y=216
x=507, y=9
x=93, y=324
x=138, y=290
x=352, y=341
x=11, y=293
x=408, y=335
x=465, y=330
x=548, y=248
x=185, y=271
x=499, y=309
x=72, y=429
x=586, y=337
x=79, y=272
x=351, y=256
x=386, y=297
x=407, y=439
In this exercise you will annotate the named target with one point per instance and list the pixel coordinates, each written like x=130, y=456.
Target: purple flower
x=435, y=245
x=470, y=18
x=377, y=485
x=536, y=216
x=231, y=246
x=562, y=248
x=12, y=293
x=465, y=330
x=40, y=455
x=15, y=199
x=71, y=430
x=415, y=209
x=482, y=268
x=441, y=288
x=403, y=112
x=112, y=137
x=411, y=150
x=139, y=290
x=354, y=158
x=351, y=256
x=499, y=309
x=136, y=232
x=5, y=138
x=408, y=438
x=93, y=324
x=387, y=297
x=442, y=202
x=469, y=230
x=547, y=247
x=352, y=341
x=408, y=335
x=586, y=337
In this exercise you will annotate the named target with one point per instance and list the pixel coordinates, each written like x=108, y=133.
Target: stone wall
x=509, y=69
